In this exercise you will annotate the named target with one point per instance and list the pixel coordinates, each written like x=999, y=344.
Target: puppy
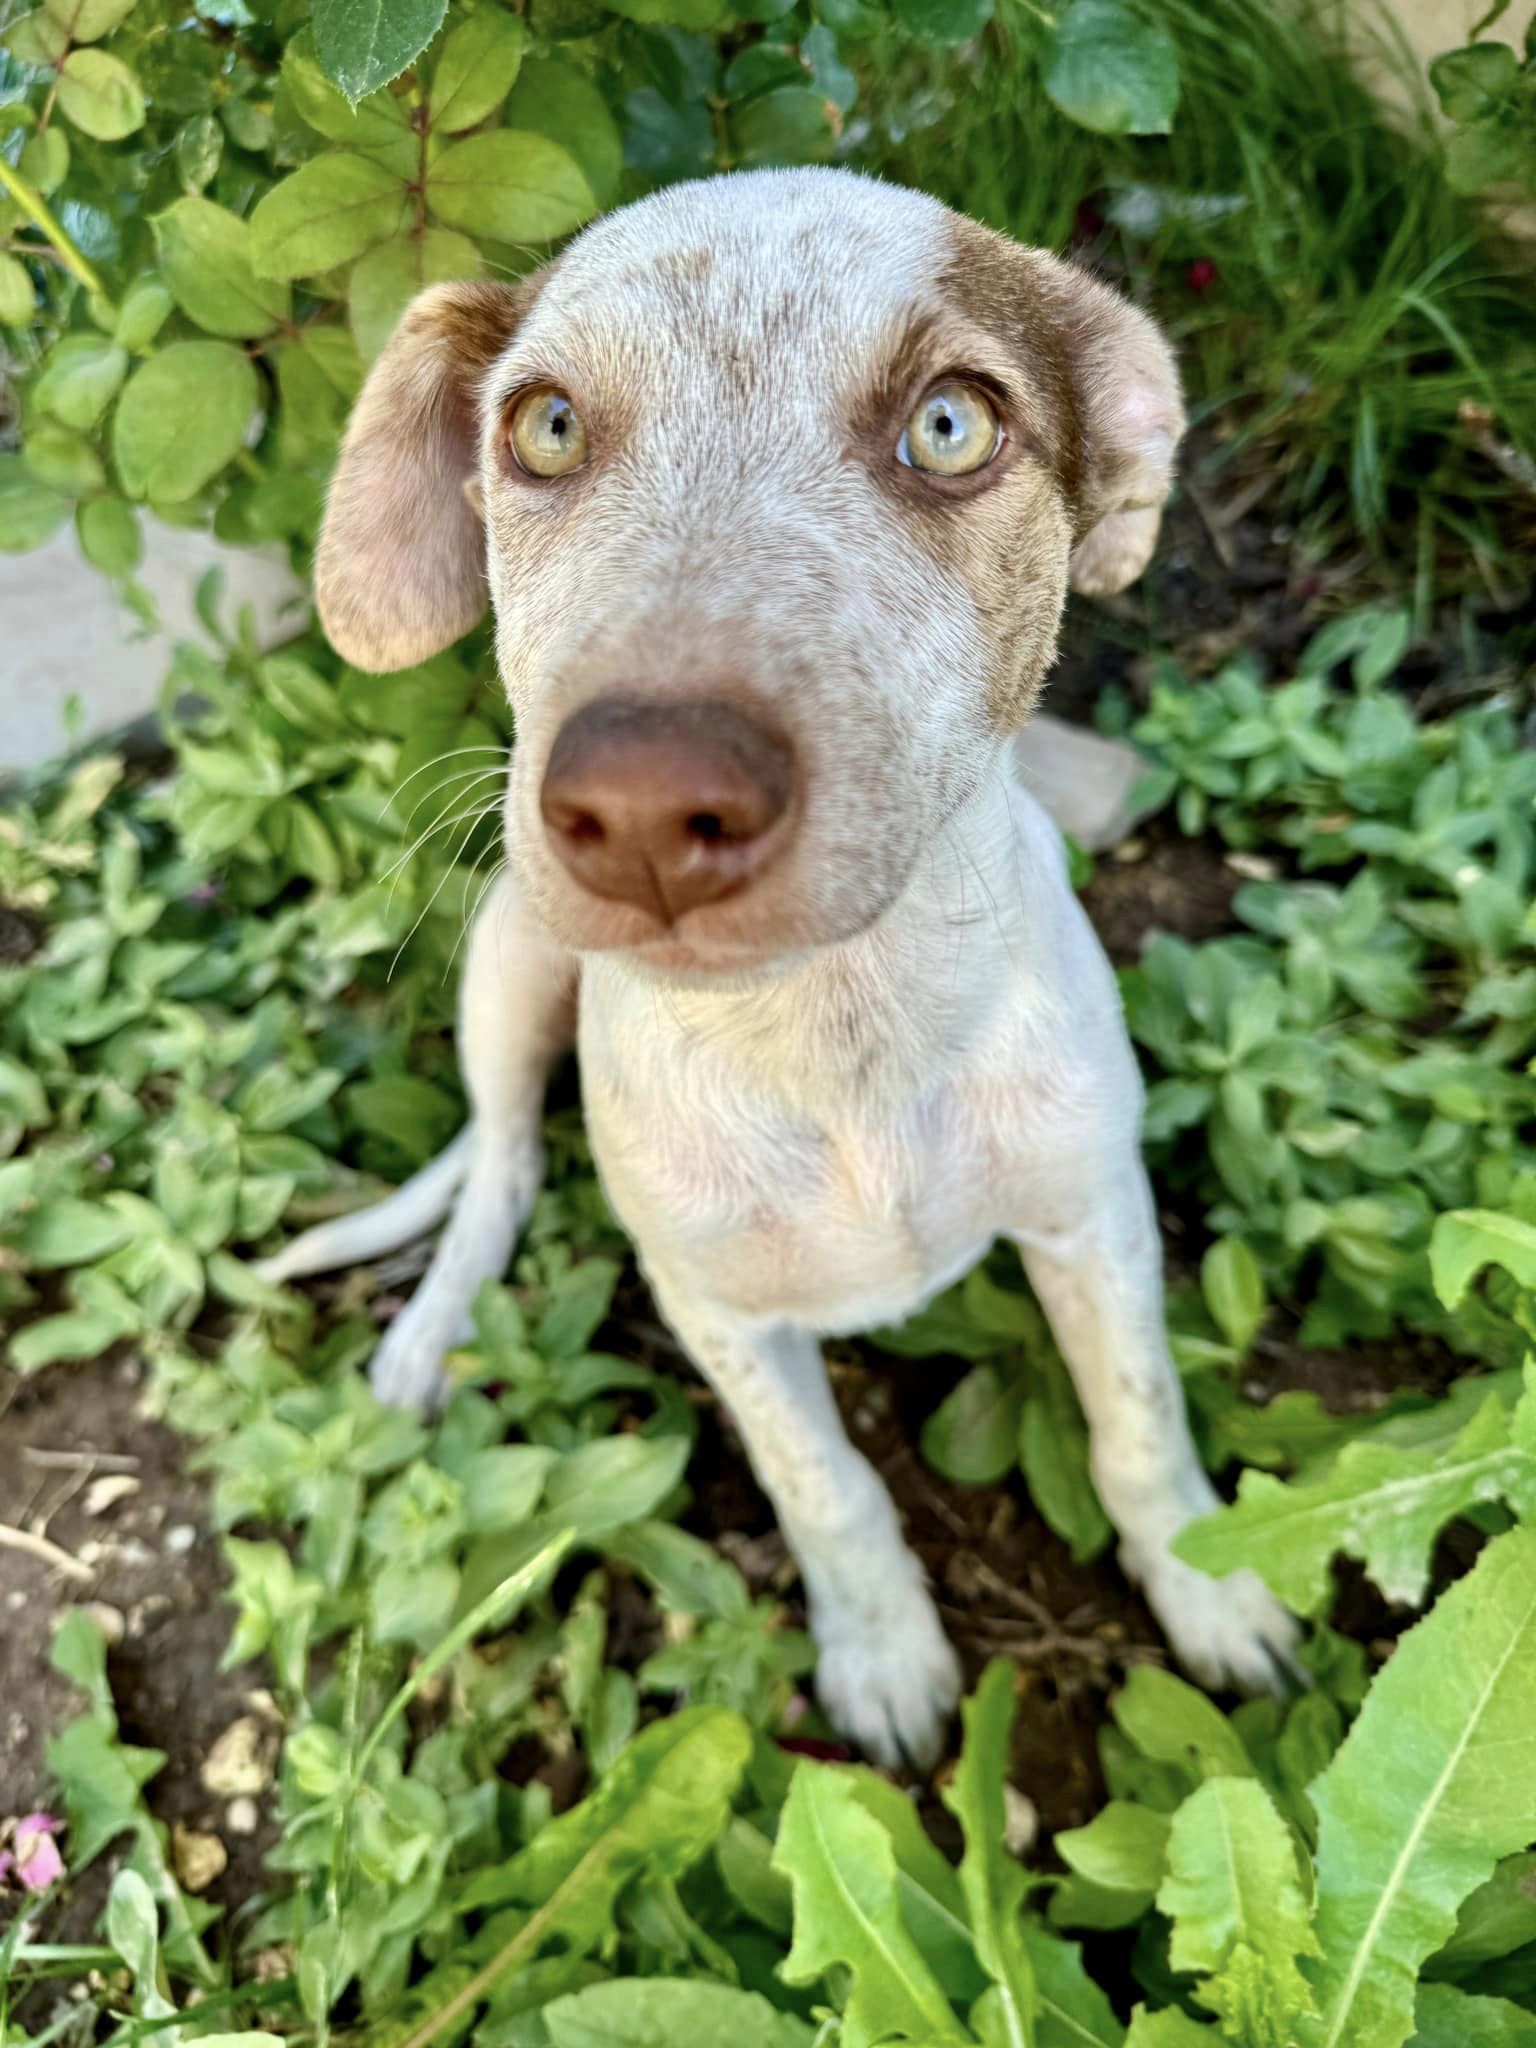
x=777, y=484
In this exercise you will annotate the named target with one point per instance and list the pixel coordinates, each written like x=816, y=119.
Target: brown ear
x=400, y=569
x=1107, y=388
x=1130, y=420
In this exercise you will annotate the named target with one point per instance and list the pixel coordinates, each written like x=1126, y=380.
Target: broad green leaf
x=330, y=210
x=1112, y=70
x=1449, y=2018
x=661, y=1805
x=662, y=2012
x=45, y=159
x=928, y=1889
x=1234, y=1292
x=1240, y=1921
x=87, y=21
x=792, y=124
x=1053, y=1452
x=38, y=39
x=994, y=1882
x=972, y=1436
x=1168, y=2029
x=684, y=14
x=1376, y=1503
x=943, y=21
x=1434, y=1783
x=475, y=69
x=30, y=512
x=1474, y=80
x=384, y=282
x=363, y=44
x=1074, y=2012
x=100, y=95
x=841, y=1866
x=77, y=1333
x=68, y=1231
x=1466, y=1240
x=1499, y=1917
x=554, y=99
x=182, y=416
x=510, y=186
x=63, y=459
x=80, y=378
x=204, y=251
x=379, y=127
x=615, y=1480
x=1120, y=1857
x=689, y=1574
x=1173, y=1722
x=142, y=312
x=18, y=299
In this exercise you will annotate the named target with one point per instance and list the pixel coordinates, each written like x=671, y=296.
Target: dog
x=776, y=484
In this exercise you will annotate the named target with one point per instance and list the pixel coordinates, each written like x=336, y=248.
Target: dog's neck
x=891, y=1013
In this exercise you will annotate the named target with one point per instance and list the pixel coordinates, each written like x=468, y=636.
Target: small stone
x=107, y=1491
x=179, y=1541
x=110, y=1620
x=199, y=1858
x=1253, y=867
x=242, y=1816
x=1129, y=851
x=241, y=1760
x=15, y=1600
x=1021, y=1821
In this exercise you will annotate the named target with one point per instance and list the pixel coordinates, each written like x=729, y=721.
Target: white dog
x=777, y=484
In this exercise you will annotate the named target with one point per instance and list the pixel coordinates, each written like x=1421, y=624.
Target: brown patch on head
x=400, y=571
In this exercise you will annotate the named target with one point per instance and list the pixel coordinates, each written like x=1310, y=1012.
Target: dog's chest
x=840, y=1223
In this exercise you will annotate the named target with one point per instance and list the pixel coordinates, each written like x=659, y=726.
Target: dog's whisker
x=448, y=869
x=441, y=760
x=473, y=776
x=480, y=807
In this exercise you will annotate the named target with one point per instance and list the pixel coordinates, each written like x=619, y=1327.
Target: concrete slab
x=65, y=633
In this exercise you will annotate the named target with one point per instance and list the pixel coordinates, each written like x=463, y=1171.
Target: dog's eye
x=547, y=435
x=954, y=430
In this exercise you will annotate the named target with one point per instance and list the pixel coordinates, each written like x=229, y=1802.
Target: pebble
x=242, y=1816
x=107, y=1491
x=241, y=1759
x=199, y=1858
x=180, y=1539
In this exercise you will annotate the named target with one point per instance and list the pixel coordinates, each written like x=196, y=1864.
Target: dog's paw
x=1229, y=1632
x=889, y=1682
x=407, y=1369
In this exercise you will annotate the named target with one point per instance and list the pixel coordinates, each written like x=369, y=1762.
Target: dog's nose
x=666, y=806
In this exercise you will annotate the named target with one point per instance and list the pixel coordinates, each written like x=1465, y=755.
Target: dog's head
x=777, y=484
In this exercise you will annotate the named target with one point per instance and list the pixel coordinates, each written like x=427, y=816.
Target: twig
x=33, y=206
x=48, y=1552
x=91, y=1461
x=1509, y=460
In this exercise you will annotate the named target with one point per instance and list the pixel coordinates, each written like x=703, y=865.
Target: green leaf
x=87, y=21
x=1112, y=71
x=475, y=70
x=330, y=210
x=660, y=2012
x=30, y=512
x=1474, y=80
x=67, y=1231
x=1172, y=1722
x=18, y=299
x=792, y=124
x=1434, y=1783
x=972, y=1436
x=511, y=186
x=842, y=1868
x=554, y=99
x=1233, y=1288
x=661, y=1805
x=1123, y=1849
x=100, y=95
x=384, y=282
x=943, y=21
x=363, y=44
x=1377, y=1503
x=684, y=14
x=1234, y=1896
x=36, y=38
x=379, y=127
x=80, y=379
x=614, y=1481
x=182, y=418
x=45, y=160
x=994, y=1882
x=1466, y=1240
x=204, y=251
x=1448, y=2018
x=63, y=459
x=1168, y=2029
x=1074, y=2013
x=143, y=311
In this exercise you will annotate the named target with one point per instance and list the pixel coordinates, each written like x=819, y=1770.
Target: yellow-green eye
x=547, y=435
x=954, y=430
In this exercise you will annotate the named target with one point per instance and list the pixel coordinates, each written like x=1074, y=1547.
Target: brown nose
x=666, y=806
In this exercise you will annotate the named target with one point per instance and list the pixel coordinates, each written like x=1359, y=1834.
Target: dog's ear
x=1130, y=417
x=1107, y=391
x=400, y=569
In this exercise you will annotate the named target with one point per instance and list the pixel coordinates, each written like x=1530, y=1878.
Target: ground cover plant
x=516, y=1740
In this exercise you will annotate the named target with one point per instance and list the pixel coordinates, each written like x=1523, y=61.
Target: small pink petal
x=42, y=1867
x=39, y=1824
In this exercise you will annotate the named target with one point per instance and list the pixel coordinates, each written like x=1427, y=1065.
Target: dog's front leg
x=1097, y=1267
x=516, y=1015
x=886, y=1675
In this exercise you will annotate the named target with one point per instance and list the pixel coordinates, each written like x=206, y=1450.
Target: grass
x=1356, y=301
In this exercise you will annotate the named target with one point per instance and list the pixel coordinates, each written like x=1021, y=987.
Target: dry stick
x=93, y=1461
x=49, y=1553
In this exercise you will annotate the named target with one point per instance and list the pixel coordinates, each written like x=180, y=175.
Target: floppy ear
x=400, y=569
x=1130, y=419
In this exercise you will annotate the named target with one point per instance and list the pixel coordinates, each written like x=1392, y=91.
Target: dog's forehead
x=777, y=264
